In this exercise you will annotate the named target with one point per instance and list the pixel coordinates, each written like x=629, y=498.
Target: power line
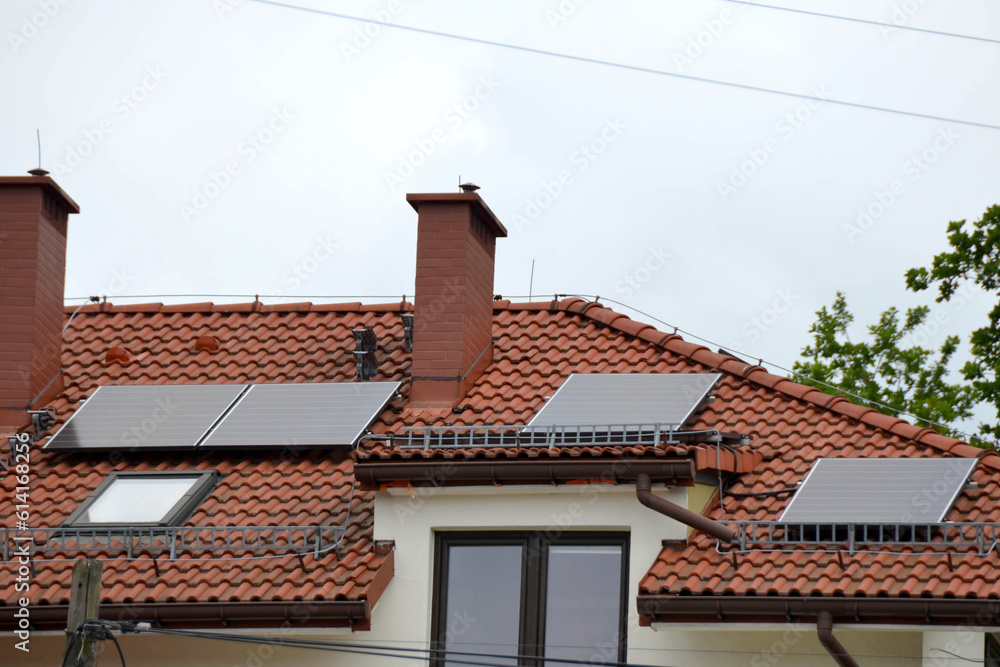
x=866, y=21
x=633, y=68
x=426, y=654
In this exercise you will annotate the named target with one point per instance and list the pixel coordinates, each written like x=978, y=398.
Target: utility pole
x=84, y=601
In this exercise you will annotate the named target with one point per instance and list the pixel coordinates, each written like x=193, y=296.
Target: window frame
x=205, y=482
x=534, y=583
x=991, y=655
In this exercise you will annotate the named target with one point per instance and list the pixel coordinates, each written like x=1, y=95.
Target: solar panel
x=626, y=398
x=145, y=417
x=302, y=415
x=878, y=491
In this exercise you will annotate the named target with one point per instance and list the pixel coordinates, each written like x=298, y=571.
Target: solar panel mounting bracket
x=407, y=332
x=365, y=345
x=41, y=420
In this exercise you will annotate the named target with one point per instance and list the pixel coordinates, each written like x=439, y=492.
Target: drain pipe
x=644, y=491
x=824, y=628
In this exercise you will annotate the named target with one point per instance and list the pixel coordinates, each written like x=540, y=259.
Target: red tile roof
x=537, y=346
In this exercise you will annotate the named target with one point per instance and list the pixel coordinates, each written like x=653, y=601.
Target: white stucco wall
x=945, y=648
x=788, y=645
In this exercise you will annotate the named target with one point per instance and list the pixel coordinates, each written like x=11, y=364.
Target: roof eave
x=712, y=609
x=354, y=614
x=373, y=474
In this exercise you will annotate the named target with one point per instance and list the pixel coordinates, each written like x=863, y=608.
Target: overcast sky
x=231, y=147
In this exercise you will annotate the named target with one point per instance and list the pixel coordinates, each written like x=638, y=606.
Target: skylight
x=150, y=499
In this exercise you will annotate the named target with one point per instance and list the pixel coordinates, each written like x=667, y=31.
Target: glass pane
x=583, y=603
x=132, y=500
x=483, y=612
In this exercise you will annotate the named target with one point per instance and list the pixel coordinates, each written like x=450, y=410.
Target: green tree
x=909, y=379
x=974, y=257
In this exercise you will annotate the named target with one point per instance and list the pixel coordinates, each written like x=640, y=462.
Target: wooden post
x=84, y=602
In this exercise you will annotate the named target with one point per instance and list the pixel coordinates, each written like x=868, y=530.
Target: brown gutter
x=644, y=491
x=824, y=628
x=774, y=609
x=373, y=474
x=300, y=613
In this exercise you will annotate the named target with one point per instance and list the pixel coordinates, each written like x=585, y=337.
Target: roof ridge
x=759, y=375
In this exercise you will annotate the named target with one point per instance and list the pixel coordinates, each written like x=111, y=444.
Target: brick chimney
x=453, y=305
x=33, y=215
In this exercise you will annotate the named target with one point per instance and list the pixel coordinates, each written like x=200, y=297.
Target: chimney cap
x=46, y=182
x=38, y=171
x=472, y=198
x=468, y=186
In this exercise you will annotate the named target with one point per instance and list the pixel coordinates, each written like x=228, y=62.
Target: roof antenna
x=531, y=280
x=38, y=171
x=459, y=181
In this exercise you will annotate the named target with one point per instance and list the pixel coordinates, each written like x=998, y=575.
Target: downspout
x=824, y=628
x=644, y=491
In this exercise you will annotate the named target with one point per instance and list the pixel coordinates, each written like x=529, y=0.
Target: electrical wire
x=70, y=643
x=105, y=628
x=790, y=372
x=90, y=299
x=379, y=649
x=119, y=647
x=633, y=68
x=347, y=521
x=256, y=297
x=773, y=493
x=957, y=656
x=424, y=654
x=856, y=20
